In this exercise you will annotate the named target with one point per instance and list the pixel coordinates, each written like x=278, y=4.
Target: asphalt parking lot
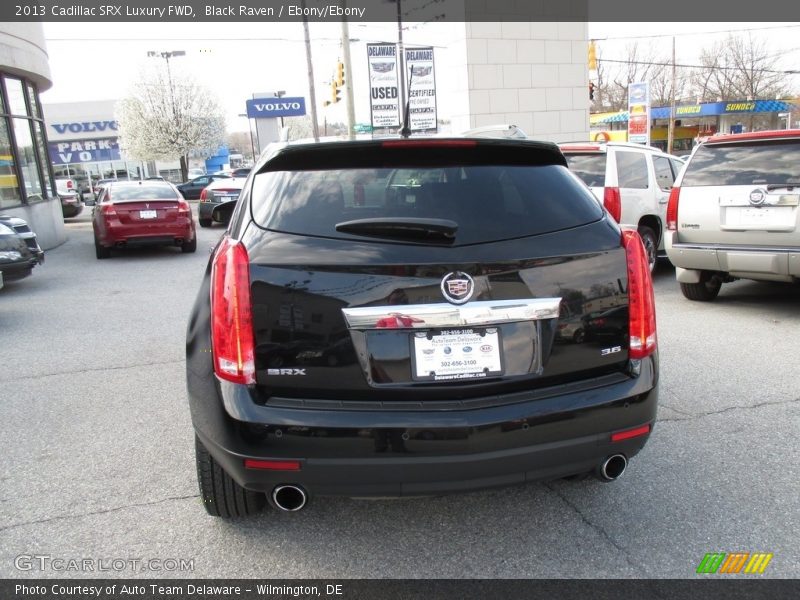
x=98, y=458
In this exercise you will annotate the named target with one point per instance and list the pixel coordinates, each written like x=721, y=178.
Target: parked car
x=217, y=192
x=440, y=301
x=133, y=213
x=735, y=212
x=98, y=186
x=21, y=227
x=240, y=172
x=71, y=203
x=191, y=189
x=16, y=259
x=632, y=181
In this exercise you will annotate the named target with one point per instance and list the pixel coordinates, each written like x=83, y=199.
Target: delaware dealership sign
x=268, y=108
x=421, y=89
x=384, y=98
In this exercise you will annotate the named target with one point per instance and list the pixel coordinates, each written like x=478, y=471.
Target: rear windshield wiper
x=783, y=186
x=434, y=230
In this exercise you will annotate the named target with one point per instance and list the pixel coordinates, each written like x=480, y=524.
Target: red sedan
x=133, y=213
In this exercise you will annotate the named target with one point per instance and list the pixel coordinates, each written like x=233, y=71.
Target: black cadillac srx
x=391, y=318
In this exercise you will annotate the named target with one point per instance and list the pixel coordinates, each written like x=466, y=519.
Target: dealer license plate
x=148, y=214
x=456, y=354
x=767, y=217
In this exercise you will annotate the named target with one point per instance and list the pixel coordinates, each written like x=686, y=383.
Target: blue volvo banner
x=267, y=108
x=83, y=151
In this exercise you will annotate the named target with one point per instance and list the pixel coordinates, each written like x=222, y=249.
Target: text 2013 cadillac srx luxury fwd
x=381, y=318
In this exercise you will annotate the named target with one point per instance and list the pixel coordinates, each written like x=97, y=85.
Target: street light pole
x=166, y=56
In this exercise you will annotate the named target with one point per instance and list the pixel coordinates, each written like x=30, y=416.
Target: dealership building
x=26, y=184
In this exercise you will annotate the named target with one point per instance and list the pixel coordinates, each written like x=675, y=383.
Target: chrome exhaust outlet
x=289, y=498
x=612, y=468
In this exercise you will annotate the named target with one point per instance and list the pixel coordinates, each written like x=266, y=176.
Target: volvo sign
x=267, y=108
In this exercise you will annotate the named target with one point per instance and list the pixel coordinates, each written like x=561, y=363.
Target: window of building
x=24, y=164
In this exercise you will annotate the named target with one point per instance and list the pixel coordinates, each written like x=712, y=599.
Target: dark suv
x=380, y=318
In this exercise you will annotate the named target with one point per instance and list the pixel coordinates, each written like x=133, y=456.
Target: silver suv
x=632, y=181
x=733, y=212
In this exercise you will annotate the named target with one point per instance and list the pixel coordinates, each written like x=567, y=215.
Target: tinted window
x=589, y=167
x=664, y=176
x=488, y=202
x=142, y=192
x=745, y=164
x=631, y=170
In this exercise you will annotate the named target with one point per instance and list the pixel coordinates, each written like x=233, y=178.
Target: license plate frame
x=461, y=354
x=148, y=214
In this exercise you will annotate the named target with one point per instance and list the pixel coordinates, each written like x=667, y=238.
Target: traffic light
x=591, y=91
x=592, y=57
x=337, y=93
x=334, y=95
x=339, y=74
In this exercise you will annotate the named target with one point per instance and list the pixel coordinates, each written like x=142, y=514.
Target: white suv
x=632, y=181
x=735, y=212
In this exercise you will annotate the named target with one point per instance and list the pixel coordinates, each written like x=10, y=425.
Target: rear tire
x=650, y=245
x=189, y=246
x=221, y=495
x=204, y=222
x=101, y=251
x=705, y=291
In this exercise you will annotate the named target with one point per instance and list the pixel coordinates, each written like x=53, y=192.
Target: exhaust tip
x=612, y=468
x=289, y=498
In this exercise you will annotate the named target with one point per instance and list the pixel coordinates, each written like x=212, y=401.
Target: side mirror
x=222, y=213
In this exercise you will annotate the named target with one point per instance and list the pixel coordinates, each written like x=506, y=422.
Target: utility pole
x=401, y=62
x=671, y=132
x=312, y=94
x=348, y=79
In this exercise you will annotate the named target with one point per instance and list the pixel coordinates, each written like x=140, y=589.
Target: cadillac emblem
x=757, y=197
x=457, y=287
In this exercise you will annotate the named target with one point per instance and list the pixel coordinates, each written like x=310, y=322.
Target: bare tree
x=613, y=78
x=739, y=68
x=168, y=116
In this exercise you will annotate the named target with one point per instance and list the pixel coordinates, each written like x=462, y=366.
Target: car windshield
x=142, y=192
x=488, y=203
x=746, y=163
x=591, y=168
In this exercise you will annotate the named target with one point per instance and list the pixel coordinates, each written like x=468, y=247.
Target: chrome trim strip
x=719, y=247
x=425, y=316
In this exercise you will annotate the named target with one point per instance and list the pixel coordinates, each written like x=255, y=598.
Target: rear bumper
x=399, y=453
x=750, y=262
x=157, y=233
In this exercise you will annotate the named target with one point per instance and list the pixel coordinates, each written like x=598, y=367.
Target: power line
x=715, y=67
x=667, y=35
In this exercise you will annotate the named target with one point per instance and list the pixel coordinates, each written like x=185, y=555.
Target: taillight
x=109, y=210
x=69, y=184
x=641, y=302
x=203, y=194
x=613, y=202
x=232, y=344
x=183, y=207
x=672, y=209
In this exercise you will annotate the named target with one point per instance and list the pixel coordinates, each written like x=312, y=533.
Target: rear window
x=591, y=168
x=489, y=203
x=746, y=163
x=142, y=192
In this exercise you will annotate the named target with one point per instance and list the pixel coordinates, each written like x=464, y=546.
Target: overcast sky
x=99, y=61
